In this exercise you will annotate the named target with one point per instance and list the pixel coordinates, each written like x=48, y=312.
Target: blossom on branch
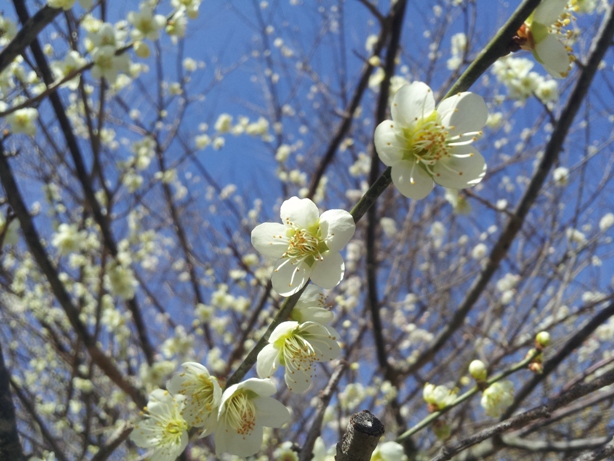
x=245, y=408
x=497, y=398
x=424, y=144
x=203, y=395
x=540, y=35
x=306, y=245
x=163, y=427
x=296, y=347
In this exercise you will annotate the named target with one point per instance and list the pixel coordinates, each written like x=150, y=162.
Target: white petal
x=329, y=272
x=262, y=387
x=244, y=445
x=289, y=278
x=267, y=361
x=549, y=11
x=388, y=145
x=417, y=184
x=313, y=314
x=338, y=228
x=301, y=212
x=282, y=330
x=270, y=412
x=553, y=55
x=412, y=102
x=326, y=350
x=270, y=239
x=298, y=380
x=463, y=113
x=459, y=173
x=312, y=296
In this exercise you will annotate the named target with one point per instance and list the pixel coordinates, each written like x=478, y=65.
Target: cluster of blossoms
x=423, y=144
x=194, y=398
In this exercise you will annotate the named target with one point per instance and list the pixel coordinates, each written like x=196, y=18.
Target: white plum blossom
x=497, y=397
x=438, y=397
x=71, y=63
x=540, y=35
x=107, y=64
x=297, y=346
x=163, y=427
x=245, y=408
x=203, y=394
x=68, y=239
x=561, y=176
x=423, y=144
x=306, y=245
x=147, y=25
x=22, y=120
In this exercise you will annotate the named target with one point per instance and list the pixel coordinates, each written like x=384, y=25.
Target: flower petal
x=388, y=145
x=244, y=445
x=460, y=173
x=271, y=412
x=262, y=387
x=548, y=11
x=270, y=239
x=299, y=212
x=338, y=228
x=553, y=56
x=328, y=272
x=288, y=278
x=414, y=184
x=463, y=113
x=267, y=361
x=412, y=102
x=298, y=380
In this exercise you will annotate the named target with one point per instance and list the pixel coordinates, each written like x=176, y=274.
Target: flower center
x=203, y=392
x=426, y=141
x=305, y=246
x=298, y=352
x=241, y=413
x=173, y=431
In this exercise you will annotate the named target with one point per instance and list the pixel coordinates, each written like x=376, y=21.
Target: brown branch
x=543, y=411
x=27, y=34
x=10, y=447
x=604, y=452
x=116, y=439
x=397, y=15
x=361, y=437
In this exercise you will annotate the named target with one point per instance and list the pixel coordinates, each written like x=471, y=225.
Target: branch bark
x=10, y=447
x=361, y=437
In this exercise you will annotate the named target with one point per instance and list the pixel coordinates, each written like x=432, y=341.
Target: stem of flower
x=474, y=390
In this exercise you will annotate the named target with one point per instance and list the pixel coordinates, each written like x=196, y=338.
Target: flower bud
x=477, y=369
x=542, y=340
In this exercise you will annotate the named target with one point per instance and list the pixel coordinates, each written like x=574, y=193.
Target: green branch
x=471, y=392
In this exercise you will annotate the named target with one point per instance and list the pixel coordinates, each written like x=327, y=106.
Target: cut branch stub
x=361, y=437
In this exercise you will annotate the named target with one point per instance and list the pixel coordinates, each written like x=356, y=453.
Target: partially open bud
x=542, y=340
x=437, y=397
x=477, y=369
